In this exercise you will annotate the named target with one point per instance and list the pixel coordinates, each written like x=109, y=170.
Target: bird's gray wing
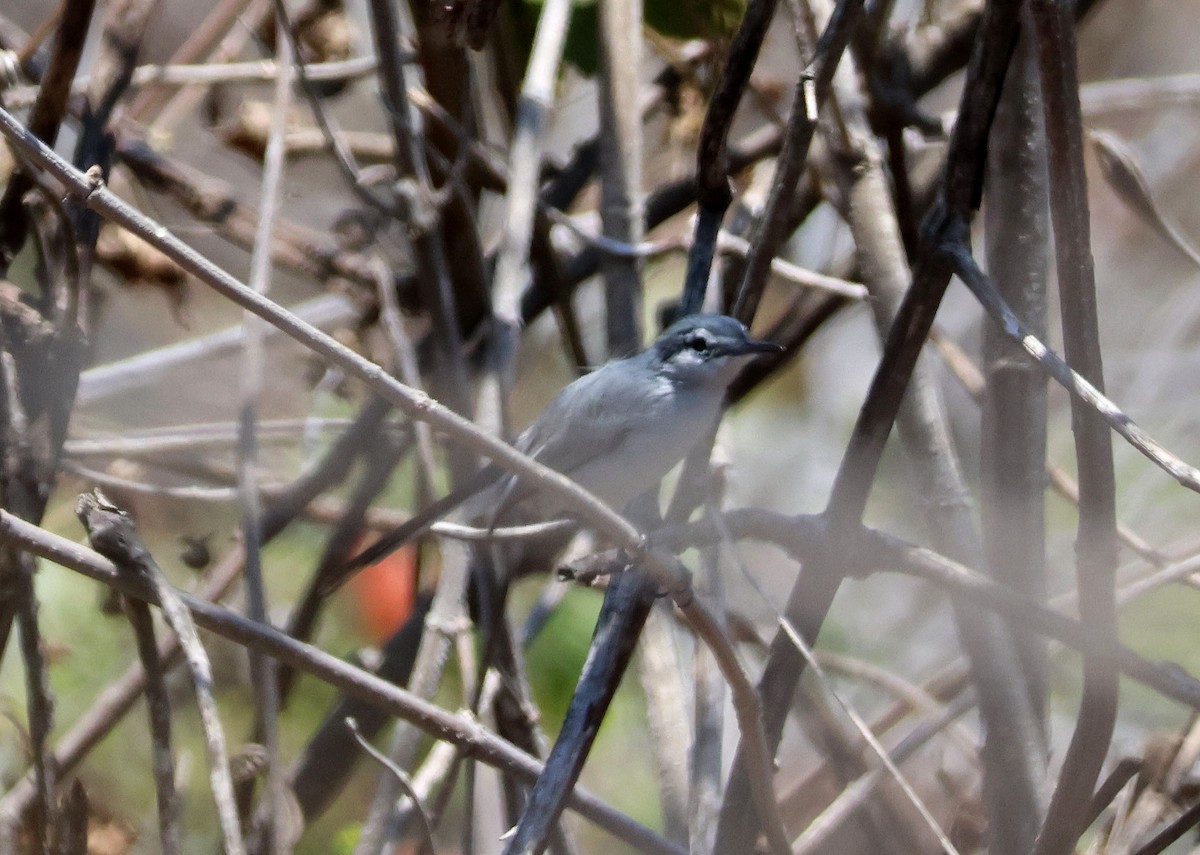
x=586, y=421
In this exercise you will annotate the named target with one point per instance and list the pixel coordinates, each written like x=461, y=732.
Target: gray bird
x=616, y=431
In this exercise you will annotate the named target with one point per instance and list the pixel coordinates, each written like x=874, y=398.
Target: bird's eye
x=698, y=343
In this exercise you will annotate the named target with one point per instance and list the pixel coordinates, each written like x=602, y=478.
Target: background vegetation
x=487, y=198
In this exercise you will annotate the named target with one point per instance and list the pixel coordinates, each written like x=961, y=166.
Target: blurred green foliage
x=675, y=19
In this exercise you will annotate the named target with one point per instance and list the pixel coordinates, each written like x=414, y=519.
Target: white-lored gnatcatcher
x=616, y=431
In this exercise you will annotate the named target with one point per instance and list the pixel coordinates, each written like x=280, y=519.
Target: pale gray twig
x=194, y=437
x=251, y=372
x=620, y=141
x=1139, y=93
x=257, y=71
x=976, y=280
x=136, y=372
x=158, y=704
x=1124, y=175
x=402, y=780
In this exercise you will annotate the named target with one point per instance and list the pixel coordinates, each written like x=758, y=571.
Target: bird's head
x=706, y=349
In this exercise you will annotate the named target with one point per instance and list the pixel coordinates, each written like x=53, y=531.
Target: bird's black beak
x=750, y=346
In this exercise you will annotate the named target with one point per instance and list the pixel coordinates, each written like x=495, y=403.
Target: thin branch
x=158, y=703
x=251, y=372
x=810, y=841
x=220, y=436
x=620, y=143
x=713, y=169
x=424, y=226
x=525, y=158
x=663, y=684
x=1097, y=548
x=39, y=699
x=405, y=783
x=705, y=768
x=1080, y=388
x=45, y=118
x=859, y=793
x=812, y=89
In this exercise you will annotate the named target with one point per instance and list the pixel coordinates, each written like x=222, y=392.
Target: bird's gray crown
x=708, y=337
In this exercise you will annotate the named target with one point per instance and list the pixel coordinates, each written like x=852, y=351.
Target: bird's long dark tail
x=412, y=528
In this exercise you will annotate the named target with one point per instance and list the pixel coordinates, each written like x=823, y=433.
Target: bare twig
x=1097, y=548
x=425, y=219
x=712, y=154
x=401, y=778
x=201, y=436
x=620, y=143
x=854, y=797
x=811, y=89
x=40, y=700
x=810, y=839
x=158, y=703
x=663, y=686
x=1080, y=388
x=1124, y=175
x=45, y=118
x=251, y=378
x=705, y=767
